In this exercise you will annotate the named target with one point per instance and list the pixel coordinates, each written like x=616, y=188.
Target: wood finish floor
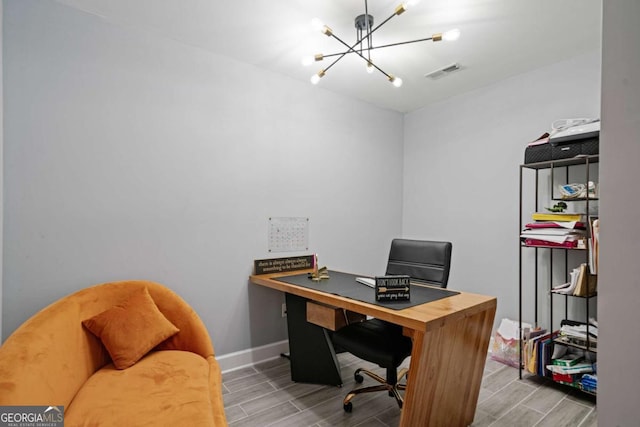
x=264, y=395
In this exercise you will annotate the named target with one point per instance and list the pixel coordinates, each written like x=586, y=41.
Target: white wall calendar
x=288, y=234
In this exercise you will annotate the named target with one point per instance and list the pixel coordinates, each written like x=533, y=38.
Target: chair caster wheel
x=348, y=407
x=358, y=378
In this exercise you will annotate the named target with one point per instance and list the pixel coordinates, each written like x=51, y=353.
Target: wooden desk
x=450, y=341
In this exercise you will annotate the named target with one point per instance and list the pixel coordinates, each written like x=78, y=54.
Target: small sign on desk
x=281, y=265
x=393, y=288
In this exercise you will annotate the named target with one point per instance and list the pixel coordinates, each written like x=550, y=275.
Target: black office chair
x=381, y=342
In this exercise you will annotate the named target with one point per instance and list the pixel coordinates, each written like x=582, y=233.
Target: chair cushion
x=374, y=340
x=131, y=329
x=165, y=388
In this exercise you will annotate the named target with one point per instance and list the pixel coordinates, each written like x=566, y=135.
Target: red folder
x=538, y=242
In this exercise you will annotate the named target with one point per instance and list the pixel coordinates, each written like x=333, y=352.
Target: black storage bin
x=537, y=153
x=576, y=147
x=564, y=150
x=591, y=146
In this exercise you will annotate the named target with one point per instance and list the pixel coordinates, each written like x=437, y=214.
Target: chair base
x=392, y=389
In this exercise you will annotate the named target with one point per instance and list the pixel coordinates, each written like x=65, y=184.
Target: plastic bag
x=506, y=343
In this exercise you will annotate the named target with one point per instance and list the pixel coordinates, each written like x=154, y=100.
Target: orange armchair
x=53, y=360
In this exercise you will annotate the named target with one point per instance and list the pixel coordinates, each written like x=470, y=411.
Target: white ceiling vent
x=444, y=71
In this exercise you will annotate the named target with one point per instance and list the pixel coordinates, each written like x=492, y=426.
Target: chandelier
x=363, y=45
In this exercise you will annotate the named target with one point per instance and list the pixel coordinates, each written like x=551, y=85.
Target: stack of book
x=579, y=334
x=538, y=347
x=569, y=369
x=555, y=229
x=589, y=382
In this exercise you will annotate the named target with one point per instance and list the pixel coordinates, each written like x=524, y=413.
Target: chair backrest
x=423, y=260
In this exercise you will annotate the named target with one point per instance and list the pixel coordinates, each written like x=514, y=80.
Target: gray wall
x=619, y=293
x=132, y=156
x=461, y=170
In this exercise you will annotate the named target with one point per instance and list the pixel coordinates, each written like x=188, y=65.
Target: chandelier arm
x=378, y=26
x=378, y=68
x=379, y=47
x=351, y=50
x=336, y=60
x=401, y=43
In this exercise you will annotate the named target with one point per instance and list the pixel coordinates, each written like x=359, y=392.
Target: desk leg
x=446, y=372
x=313, y=359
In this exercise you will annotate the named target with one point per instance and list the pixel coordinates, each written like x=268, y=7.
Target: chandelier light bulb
x=316, y=77
x=451, y=35
x=396, y=81
x=410, y=3
x=370, y=68
x=308, y=60
x=317, y=24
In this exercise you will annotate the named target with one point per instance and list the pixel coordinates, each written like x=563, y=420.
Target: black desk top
x=345, y=285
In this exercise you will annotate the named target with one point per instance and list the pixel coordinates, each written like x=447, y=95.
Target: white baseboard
x=240, y=359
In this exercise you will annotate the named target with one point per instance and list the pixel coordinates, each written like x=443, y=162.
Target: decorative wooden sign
x=281, y=265
x=393, y=288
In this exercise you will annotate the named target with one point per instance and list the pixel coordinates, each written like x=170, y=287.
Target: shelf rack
x=553, y=166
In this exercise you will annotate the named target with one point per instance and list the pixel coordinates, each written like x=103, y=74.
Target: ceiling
x=499, y=39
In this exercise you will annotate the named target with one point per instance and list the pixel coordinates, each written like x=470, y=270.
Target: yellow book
x=556, y=216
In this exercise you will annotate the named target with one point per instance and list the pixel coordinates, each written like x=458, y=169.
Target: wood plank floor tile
x=264, y=395
x=545, y=398
x=244, y=395
x=371, y=422
x=390, y=417
x=499, y=379
x=330, y=412
x=582, y=398
x=238, y=373
x=268, y=417
x=482, y=419
x=519, y=416
x=278, y=396
x=565, y=414
x=366, y=407
x=234, y=413
x=590, y=420
x=502, y=401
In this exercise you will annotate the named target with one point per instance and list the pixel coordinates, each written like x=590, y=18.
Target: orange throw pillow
x=131, y=329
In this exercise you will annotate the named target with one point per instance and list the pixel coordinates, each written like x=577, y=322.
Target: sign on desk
x=393, y=288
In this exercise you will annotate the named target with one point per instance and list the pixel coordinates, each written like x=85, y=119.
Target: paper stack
x=562, y=230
